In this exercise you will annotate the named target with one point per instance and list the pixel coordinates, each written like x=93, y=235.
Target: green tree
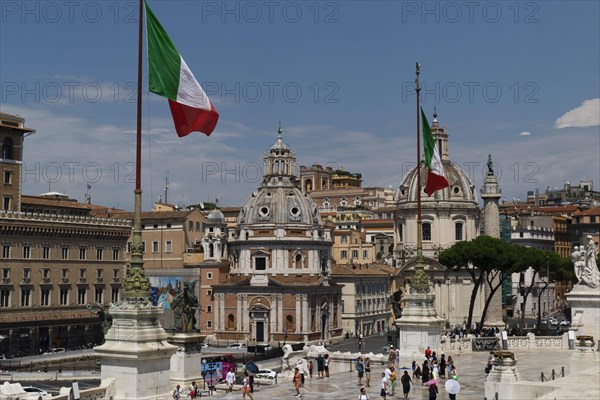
x=487, y=260
x=528, y=257
x=560, y=269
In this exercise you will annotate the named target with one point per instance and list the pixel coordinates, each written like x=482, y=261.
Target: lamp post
x=203, y=373
x=548, y=289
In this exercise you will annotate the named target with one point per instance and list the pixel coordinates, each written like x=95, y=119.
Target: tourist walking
x=443, y=366
x=230, y=379
x=363, y=394
x=326, y=365
x=367, y=372
x=310, y=368
x=297, y=382
x=320, y=366
x=193, y=390
x=450, y=365
x=433, y=391
x=246, y=387
x=393, y=380
x=360, y=369
x=406, y=381
x=384, y=385
x=177, y=393
x=425, y=372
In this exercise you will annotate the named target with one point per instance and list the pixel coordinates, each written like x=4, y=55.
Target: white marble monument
x=585, y=296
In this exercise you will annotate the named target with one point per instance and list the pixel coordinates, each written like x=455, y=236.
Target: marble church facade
x=279, y=286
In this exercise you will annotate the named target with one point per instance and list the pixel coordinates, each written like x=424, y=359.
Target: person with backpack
x=360, y=369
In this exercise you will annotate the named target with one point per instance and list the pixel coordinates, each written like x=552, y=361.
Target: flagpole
x=419, y=220
x=136, y=286
x=420, y=281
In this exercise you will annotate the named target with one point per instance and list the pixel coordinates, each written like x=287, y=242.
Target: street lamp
x=203, y=373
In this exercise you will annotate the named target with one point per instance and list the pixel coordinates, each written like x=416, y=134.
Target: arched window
x=7, y=149
x=289, y=323
x=426, y=230
x=230, y=322
x=458, y=231
x=308, y=185
x=298, y=264
x=211, y=250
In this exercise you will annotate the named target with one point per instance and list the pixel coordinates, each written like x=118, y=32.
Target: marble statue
x=586, y=268
x=184, y=305
x=578, y=259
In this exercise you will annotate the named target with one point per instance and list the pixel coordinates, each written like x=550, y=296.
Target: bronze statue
x=184, y=306
x=104, y=316
x=490, y=165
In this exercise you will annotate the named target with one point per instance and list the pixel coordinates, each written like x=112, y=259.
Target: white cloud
x=525, y=133
x=587, y=114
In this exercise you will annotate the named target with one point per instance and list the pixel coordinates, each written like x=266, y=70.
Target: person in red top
x=428, y=353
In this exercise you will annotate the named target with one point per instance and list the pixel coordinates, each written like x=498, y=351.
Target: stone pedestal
x=419, y=327
x=186, y=362
x=585, y=355
x=585, y=310
x=136, y=353
x=504, y=373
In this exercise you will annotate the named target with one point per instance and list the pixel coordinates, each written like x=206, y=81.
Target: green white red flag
x=170, y=77
x=436, y=179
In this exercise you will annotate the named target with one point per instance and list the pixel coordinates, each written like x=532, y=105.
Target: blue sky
x=519, y=80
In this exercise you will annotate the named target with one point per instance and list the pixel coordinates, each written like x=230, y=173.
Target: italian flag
x=436, y=179
x=170, y=77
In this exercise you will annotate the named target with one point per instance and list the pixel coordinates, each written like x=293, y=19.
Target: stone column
x=305, y=313
x=298, y=313
x=273, y=315
x=245, y=314
x=280, y=313
x=238, y=318
x=491, y=194
x=216, y=313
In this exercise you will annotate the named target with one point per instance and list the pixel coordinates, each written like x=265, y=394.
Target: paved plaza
x=470, y=367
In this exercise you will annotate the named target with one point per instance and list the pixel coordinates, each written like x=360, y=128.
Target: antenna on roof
x=166, y=189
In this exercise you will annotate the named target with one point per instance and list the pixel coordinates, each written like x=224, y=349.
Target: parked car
x=565, y=323
x=237, y=346
x=37, y=391
x=265, y=376
x=204, y=346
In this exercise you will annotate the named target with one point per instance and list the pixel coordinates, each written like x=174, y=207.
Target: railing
x=64, y=218
x=493, y=343
x=553, y=375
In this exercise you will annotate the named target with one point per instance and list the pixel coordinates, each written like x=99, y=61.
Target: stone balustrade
x=514, y=342
x=64, y=218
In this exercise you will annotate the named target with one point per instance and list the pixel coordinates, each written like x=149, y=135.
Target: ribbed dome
x=279, y=205
x=460, y=187
x=215, y=217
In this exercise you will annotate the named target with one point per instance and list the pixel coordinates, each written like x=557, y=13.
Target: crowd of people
x=427, y=373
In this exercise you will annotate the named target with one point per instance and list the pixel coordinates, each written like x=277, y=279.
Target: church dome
x=460, y=188
x=279, y=200
x=215, y=217
x=279, y=205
